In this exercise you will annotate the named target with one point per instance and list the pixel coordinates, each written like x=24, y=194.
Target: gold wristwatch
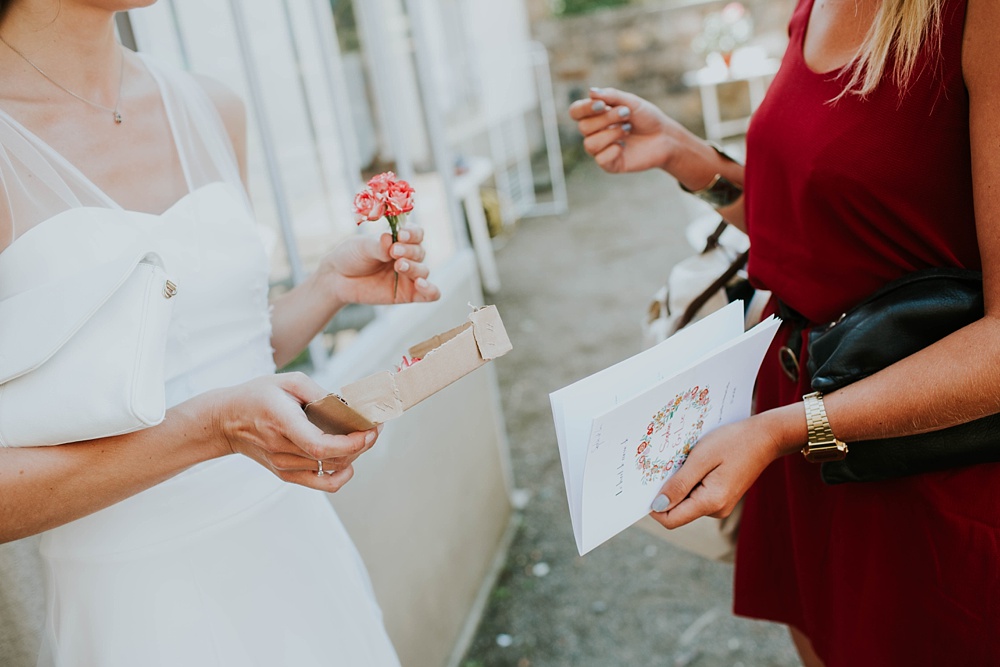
x=821, y=445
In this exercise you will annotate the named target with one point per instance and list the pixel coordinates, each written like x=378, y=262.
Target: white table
x=466, y=186
x=755, y=72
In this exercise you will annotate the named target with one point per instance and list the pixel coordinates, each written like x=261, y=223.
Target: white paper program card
x=624, y=430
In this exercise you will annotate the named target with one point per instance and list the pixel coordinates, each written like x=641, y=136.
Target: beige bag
x=708, y=537
x=705, y=282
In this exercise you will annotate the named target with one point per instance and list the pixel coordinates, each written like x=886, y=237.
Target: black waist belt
x=790, y=353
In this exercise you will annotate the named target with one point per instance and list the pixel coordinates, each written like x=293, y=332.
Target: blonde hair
x=901, y=28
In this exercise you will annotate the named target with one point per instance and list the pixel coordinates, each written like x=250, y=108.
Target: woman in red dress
x=873, y=155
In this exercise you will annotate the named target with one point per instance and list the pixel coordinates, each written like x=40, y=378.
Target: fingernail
x=403, y=265
x=398, y=250
x=624, y=111
x=403, y=235
x=421, y=283
x=599, y=105
x=660, y=503
x=380, y=427
x=370, y=437
x=627, y=127
x=596, y=91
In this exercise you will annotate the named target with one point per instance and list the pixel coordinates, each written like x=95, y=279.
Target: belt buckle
x=789, y=362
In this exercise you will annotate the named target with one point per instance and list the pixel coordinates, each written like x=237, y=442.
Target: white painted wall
x=429, y=505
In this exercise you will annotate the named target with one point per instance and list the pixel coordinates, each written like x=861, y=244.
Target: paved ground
x=574, y=289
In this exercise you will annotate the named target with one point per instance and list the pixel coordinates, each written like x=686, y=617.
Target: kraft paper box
x=444, y=359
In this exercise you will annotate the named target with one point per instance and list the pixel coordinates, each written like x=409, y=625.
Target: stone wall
x=646, y=49
x=538, y=9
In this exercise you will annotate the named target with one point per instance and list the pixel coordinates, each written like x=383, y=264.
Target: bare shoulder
x=982, y=76
x=233, y=112
x=227, y=102
x=982, y=22
x=982, y=79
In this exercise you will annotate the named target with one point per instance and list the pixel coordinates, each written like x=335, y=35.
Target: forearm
x=301, y=313
x=45, y=487
x=951, y=382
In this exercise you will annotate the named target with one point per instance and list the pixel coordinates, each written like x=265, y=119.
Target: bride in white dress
x=202, y=541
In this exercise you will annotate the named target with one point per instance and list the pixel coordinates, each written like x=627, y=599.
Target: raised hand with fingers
x=624, y=132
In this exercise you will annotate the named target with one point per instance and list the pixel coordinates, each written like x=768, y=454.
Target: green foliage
x=567, y=7
x=346, y=25
x=501, y=593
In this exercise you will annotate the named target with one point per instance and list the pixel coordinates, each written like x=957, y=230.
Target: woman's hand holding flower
x=388, y=196
x=364, y=269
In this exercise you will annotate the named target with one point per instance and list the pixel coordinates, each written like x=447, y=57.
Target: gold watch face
x=820, y=452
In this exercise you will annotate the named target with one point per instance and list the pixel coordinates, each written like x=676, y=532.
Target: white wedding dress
x=224, y=565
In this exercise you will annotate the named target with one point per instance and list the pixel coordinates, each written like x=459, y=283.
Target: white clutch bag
x=82, y=356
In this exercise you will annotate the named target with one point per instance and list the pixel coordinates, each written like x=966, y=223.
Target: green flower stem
x=394, y=228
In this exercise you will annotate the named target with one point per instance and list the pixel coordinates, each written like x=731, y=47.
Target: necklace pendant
x=118, y=117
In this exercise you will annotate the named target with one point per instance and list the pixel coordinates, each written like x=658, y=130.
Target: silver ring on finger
x=320, y=472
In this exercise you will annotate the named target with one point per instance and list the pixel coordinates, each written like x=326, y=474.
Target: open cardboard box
x=443, y=359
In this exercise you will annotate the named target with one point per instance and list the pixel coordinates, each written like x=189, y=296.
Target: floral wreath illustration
x=696, y=399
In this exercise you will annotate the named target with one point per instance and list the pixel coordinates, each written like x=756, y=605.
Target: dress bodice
x=220, y=333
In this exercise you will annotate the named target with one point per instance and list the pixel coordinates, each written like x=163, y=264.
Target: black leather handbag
x=901, y=318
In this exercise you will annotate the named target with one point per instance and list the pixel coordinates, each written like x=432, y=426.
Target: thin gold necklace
x=115, y=114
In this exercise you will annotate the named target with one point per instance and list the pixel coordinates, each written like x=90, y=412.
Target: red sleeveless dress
x=842, y=198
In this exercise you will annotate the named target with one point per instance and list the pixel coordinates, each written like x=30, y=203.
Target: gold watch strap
x=822, y=445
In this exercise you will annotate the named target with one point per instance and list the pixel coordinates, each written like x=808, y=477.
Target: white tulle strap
x=205, y=149
x=37, y=183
